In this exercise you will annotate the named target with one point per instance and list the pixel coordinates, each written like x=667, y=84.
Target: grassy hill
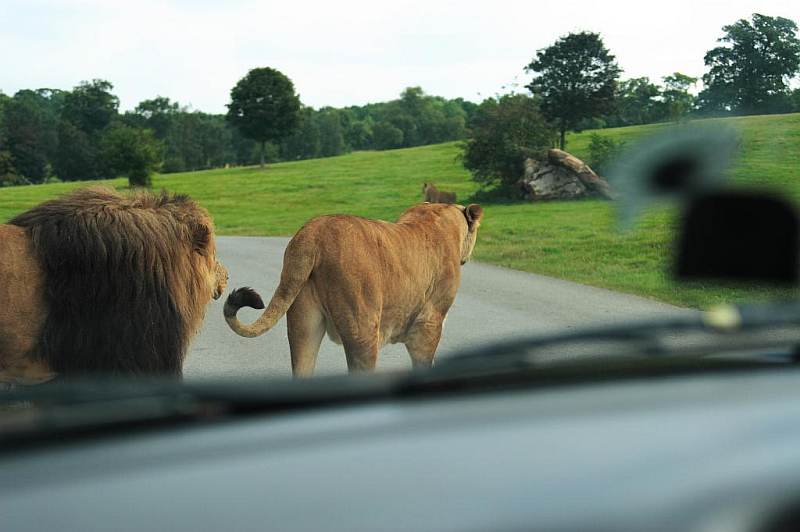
x=571, y=240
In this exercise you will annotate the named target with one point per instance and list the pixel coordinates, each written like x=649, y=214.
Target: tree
x=132, y=152
x=575, y=79
x=413, y=110
x=386, y=136
x=452, y=123
x=245, y=151
x=264, y=106
x=305, y=142
x=678, y=101
x=91, y=106
x=470, y=108
x=505, y=132
x=157, y=114
x=77, y=157
x=184, y=142
x=330, y=132
x=751, y=71
x=213, y=136
x=29, y=131
x=8, y=174
x=4, y=99
x=637, y=102
x=358, y=134
x=86, y=113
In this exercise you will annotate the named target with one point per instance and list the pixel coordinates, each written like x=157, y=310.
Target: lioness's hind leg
x=306, y=327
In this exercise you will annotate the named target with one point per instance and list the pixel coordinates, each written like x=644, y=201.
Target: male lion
x=97, y=282
x=434, y=195
x=367, y=283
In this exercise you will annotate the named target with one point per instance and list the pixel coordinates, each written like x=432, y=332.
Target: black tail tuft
x=242, y=297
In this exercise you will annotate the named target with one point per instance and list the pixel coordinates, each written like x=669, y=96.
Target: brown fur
x=21, y=323
x=104, y=283
x=367, y=283
x=434, y=195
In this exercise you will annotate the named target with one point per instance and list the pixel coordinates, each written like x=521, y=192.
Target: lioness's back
x=341, y=241
x=374, y=255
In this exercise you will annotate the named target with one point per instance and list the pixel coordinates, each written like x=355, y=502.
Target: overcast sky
x=342, y=52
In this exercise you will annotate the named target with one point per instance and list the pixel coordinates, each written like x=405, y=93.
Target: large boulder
x=561, y=176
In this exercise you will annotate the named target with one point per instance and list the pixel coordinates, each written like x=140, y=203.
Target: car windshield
x=233, y=192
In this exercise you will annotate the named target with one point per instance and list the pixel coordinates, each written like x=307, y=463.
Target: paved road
x=492, y=303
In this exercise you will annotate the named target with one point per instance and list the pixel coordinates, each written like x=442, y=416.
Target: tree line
x=80, y=134
x=414, y=119
x=75, y=135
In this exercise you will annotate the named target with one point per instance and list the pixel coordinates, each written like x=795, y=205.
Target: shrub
x=505, y=131
x=132, y=152
x=603, y=151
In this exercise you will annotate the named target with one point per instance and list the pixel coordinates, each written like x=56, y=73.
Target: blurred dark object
x=676, y=164
x=738, y=236
x=726, y=235
x=785, y=520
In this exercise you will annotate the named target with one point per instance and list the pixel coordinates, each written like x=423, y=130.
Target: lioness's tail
x=298, y=261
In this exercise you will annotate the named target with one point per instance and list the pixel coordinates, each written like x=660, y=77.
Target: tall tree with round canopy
x=751, y=71
x=575, y=79
x=264, y=106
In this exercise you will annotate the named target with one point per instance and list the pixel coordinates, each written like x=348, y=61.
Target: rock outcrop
x=561, y=176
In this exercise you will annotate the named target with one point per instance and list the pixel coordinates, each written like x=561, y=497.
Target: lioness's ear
x=473, y=213
x=201, y=238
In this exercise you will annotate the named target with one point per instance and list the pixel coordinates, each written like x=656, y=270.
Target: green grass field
x=572, y=240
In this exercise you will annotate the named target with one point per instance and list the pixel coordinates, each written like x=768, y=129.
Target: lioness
x=367, y=283
x=434, y=195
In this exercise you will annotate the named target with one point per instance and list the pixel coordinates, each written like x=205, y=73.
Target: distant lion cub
x=367, y=283
x=434, y=195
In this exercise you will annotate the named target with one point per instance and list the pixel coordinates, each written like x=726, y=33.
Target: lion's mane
x=126, y=279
